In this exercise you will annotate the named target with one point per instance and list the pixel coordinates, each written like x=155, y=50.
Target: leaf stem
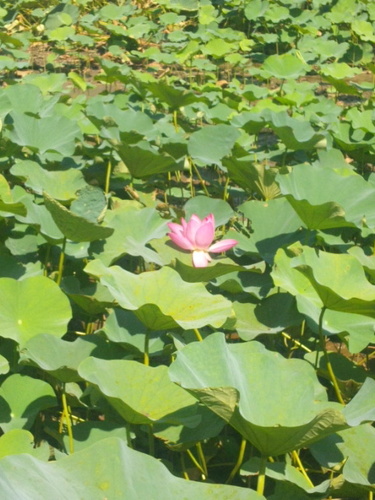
x=301, y=467
x=146, y=357
x=197, y=334
x=238, y=463
x=262, y=476
x=327, y=360
x=61, y=263
x=295, y=342
x=202, y=458
x=195, y=461
x=200, y=179
x=108, y=177
x=65, y=416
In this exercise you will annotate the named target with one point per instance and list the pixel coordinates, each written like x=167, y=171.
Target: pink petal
x=205, y=234
x=222, y=246
x=201, y=258
x=181, y=241
x=175, y=228
x=192, y=227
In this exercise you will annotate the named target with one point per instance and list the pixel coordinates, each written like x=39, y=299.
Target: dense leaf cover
x=125, y=371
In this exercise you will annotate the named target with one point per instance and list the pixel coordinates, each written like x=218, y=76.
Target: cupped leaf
x=161, y=299
x=73, y=226
x=317, y=192
x=236, y=381
x=32, y=306
x=339, y=280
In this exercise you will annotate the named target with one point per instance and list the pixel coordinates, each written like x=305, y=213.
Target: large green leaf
x=52, y=133
x=275, y=403
x=210, y=144
x=108, y=469
x=32, y=306
x=317, y=192
x=22, y=398
x=284, y=66
x=143, y=163
x=8, y=206
x=141, y=394
x=359, y=327
x=73, y=226
x=273, y=224
x=161, y=299
x=133, y=228
x=295, y=134
x=61, y=184
x=338, y=279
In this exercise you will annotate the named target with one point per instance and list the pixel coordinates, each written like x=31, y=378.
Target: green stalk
x=195, y=461
x=301, y=468
x=238, y=463
x=108, y=177
x=262, y=476
x=327, y=360
x=65, y=416
x=202, y=458
x=146, y=357
x=197, y=334
x=61, y=263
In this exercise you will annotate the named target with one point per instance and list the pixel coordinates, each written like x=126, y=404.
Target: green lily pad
x=124, y=327
x=17, y=441
x=52, y=133
x=61, y=185
x=61, y=358
x=203, y=205
x=22, y=399
x=317, y=192
x=131, y=387
x=73, y=226
x=354, y=447
x=235, y=380
x=273, y=223
x=8, y=206
x=161, y=299
x=133, y=229
x=271, y=315
x=284, y=66
x=108, y=468
x=339, y=280
x=210, y=144
x=143, y=163
x=32, y=306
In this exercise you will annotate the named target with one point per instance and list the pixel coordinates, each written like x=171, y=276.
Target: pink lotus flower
x=197, y=236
